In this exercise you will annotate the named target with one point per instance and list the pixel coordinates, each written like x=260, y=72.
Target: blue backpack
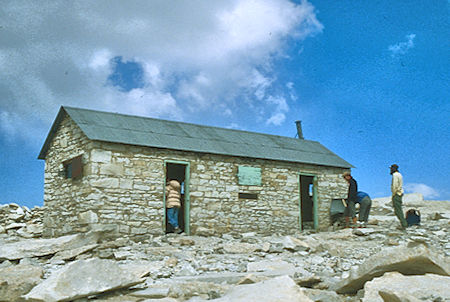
x=413, y=217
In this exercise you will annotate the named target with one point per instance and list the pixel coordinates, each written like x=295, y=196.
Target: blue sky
x=369, y=79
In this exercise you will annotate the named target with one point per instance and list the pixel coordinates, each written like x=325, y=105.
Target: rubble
x=377, y=263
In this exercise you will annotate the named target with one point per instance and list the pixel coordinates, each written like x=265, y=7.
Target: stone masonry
x=122, y=187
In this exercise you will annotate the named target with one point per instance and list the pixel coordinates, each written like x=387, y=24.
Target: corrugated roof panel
x=157, y=133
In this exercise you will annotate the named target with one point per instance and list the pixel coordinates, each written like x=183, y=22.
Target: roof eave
x=52, y=132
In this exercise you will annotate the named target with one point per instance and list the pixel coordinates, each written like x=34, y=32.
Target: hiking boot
x=178, y=231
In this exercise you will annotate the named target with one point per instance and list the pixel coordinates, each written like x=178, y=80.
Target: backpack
x=413, y=217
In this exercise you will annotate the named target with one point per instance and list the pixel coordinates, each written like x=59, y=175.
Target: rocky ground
x=377, y=263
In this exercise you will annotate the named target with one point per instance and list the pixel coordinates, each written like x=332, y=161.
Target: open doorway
x=179, y=172
x=308, y=213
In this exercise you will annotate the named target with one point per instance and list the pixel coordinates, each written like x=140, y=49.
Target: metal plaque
x=249, y=176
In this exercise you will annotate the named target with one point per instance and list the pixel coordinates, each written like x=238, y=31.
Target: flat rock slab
x=270, y=265
x=225, y=277
x=240, y=248
x=363, y=231
x=417, y=260
x=394, y=286
x=42, y=247
x=70, y=254
x=279, y=289
x=154, y=292
x=322, y=295
x=83, y=278
x=233, y=277
x=18, y=280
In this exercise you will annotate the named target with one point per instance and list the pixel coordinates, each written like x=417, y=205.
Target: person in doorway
x=350, y=211
x=365, y=203
x=173, y=204
x=397, y=195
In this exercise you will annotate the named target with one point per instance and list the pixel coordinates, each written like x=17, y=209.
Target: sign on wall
x=249, y=176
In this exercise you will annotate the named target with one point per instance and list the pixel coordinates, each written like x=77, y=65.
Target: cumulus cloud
x=6, y=123
x=196, y=57
x=280, y=108
x=276, y=119
x=402, y=47
x=426, y=191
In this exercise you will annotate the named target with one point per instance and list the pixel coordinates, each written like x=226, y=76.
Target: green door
x=308, y=206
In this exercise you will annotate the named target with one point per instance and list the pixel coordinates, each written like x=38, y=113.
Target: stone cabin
x=109, y=170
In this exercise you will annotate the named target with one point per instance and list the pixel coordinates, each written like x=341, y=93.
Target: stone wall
x=123, y=187
x=62, y=196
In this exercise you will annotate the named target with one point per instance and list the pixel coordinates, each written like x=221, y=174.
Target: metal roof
x=151, y=132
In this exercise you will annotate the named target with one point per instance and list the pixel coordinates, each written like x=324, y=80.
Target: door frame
x=314, y=199
x=186, y=204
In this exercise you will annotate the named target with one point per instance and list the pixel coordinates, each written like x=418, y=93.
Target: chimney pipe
x=299, y=129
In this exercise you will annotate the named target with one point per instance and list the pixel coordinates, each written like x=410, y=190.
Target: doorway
x=178, y=171
x=308, y=202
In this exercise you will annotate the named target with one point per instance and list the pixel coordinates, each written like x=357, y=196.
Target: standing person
x=397, y=194
x=365, y=203
x=351, y=199
x=173, y=204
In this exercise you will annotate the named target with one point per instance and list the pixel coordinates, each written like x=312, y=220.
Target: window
x=248, y=196
x=73, y=168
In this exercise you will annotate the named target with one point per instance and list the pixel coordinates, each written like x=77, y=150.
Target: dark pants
x=397, y=203
x=364, y=209
x=350, y=210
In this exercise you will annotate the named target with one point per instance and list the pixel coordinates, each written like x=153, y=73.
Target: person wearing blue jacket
x=365, y=203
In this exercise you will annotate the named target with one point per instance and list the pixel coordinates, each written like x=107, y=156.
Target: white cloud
x=100, y=59
x=426, y=191
x=6, y=123
x=276, y=119
x=195, y=56
x=233, y=126
x=279, y=102
x=281, y=107
x=292, y=94
x=402, y=47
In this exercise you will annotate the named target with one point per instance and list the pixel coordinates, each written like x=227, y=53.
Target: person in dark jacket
x=350, y=211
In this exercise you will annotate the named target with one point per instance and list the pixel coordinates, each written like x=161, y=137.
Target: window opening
x=248, y=196
x=73, y=168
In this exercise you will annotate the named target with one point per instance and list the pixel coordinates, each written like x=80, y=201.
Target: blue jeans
x=172, y=216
